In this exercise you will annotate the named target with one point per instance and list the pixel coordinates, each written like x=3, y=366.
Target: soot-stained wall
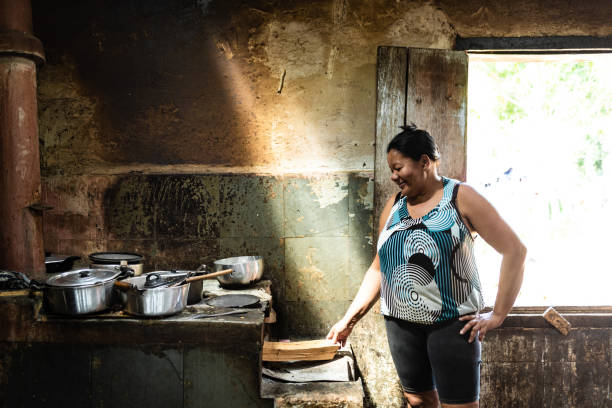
x=270, y=86
x=190, y=130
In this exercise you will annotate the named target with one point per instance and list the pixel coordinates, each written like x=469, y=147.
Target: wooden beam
x=582, y=44
x=390, y=115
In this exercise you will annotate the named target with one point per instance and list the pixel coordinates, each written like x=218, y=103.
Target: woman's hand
x=480, y=324
x=340, y=332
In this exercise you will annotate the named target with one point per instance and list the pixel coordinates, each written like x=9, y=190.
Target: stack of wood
x=310, y=350
x=314, y=373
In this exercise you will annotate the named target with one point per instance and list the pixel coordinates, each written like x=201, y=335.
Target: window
x=539, y=147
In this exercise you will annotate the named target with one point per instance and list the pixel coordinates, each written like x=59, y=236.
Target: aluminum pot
x=195, y=290
x=246, y=270
x=80, y=291
x=154, y=302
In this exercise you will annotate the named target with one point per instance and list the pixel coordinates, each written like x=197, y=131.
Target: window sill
x=577, y=316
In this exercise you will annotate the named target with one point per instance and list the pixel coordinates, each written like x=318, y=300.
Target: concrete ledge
x=347, y=394
x=22, y=322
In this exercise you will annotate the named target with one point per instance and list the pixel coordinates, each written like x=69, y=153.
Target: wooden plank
x=594, y=310
x=547, y=44
x=436, y=100
x=390, y=115
x=310, y=350
x=554, y=318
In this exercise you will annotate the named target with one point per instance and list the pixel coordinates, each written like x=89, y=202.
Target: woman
x=425, y=274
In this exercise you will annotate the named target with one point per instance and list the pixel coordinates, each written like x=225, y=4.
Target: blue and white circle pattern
x=421, y=242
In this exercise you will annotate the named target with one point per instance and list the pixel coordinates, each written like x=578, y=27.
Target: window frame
x=530, y=48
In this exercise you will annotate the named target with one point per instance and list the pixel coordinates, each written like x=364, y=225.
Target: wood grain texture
x=390, y=115
x=534, y=367
x=436, y=100
x=310, y=350
x=554, y=318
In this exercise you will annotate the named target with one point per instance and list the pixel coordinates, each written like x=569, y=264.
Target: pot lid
x=115, y=258
x=82, y=277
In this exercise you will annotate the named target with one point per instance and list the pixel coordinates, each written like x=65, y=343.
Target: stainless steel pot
x=196, y=288
x=153, y=302
x=80, y=291
x=246, y=270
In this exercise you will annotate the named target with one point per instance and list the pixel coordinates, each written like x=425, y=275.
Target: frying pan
x=234, y=300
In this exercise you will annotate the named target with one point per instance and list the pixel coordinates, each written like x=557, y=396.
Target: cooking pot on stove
x=153, y=302
x=80, y=291
x=144, y=298
x=195, y=288
x=246, y=270
x=109, y=260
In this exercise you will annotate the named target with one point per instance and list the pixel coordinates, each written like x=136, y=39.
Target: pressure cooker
x=113, y=260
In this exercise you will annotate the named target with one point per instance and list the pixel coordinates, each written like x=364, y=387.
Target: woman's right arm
x=367, y=295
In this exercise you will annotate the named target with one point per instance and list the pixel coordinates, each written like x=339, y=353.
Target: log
x=310, y=350
x=557, y=321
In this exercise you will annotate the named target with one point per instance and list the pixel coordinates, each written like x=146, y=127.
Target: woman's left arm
x=486, y=221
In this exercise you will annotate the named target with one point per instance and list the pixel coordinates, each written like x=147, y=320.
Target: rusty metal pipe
x=16, y=15
x=21, y=240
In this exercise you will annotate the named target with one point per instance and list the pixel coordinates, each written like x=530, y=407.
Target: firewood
x=310, y=350
x=557, y=321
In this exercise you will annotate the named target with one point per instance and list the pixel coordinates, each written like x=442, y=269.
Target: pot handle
x=123, y=285
x=210, y=275
x=125, y=270
x=202, y=277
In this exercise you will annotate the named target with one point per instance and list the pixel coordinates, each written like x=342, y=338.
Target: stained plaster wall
x=191, y=130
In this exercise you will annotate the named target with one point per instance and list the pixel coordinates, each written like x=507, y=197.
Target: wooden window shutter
x=427, y=87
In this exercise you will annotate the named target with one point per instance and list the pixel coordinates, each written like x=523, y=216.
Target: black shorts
x=429, y=357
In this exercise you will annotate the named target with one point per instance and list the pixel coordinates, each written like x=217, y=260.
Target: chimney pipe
x=21, y=240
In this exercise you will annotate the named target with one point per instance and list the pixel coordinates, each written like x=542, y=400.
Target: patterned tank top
x=428, y=268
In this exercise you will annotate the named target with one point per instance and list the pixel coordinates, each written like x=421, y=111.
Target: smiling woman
x=405, y=153
x=425, y=275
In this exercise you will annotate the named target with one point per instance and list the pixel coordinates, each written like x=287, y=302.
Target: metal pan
x=153, y=302
x=234, y=300
x=158, y=301
x=59, y=263
x=247, y=270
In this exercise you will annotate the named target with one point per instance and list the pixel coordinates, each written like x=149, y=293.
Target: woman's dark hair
x=414, y=143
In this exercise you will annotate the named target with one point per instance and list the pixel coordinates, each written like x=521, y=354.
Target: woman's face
x=408, y=174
